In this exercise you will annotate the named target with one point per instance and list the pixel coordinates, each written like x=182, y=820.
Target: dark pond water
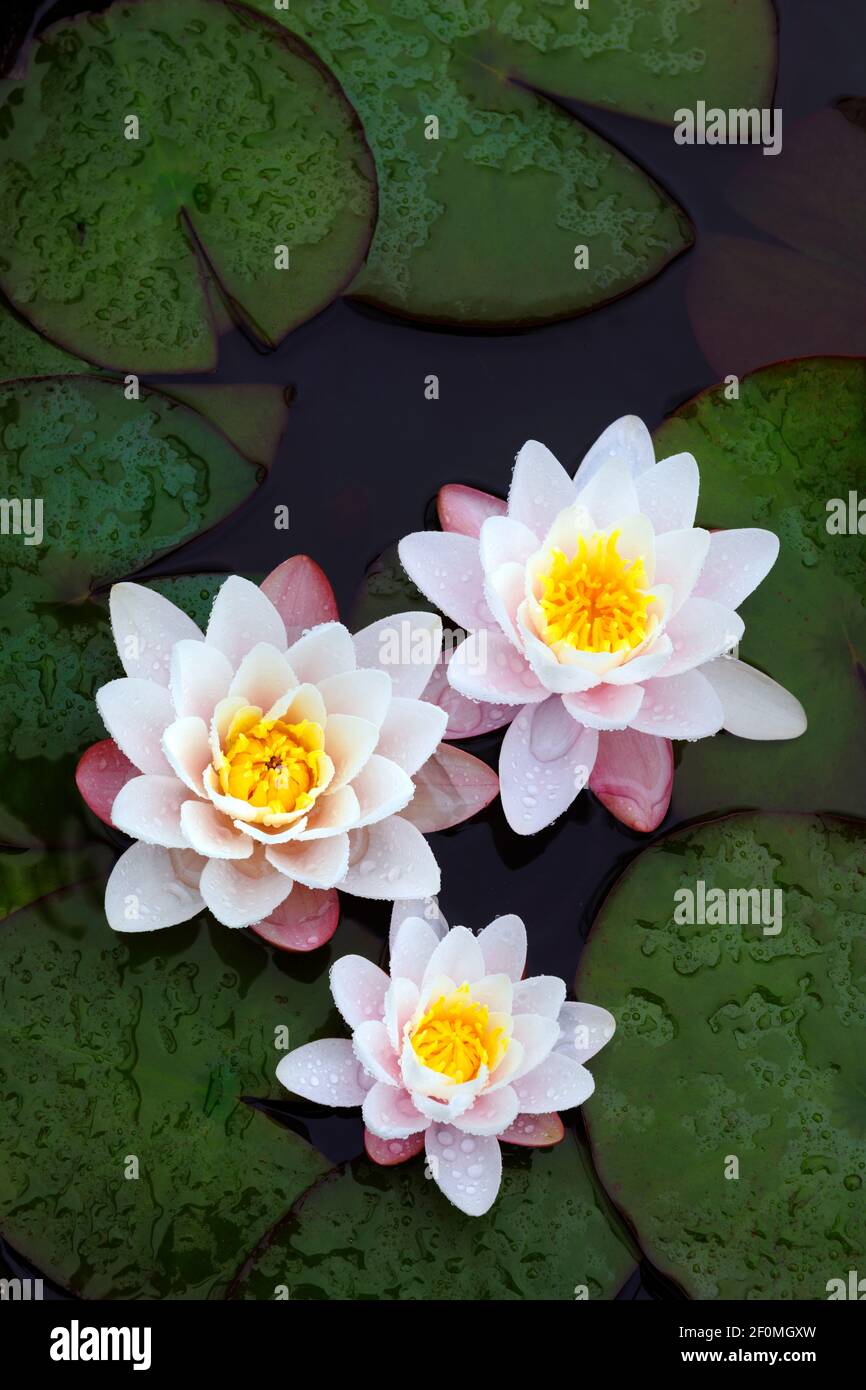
x=365, y=454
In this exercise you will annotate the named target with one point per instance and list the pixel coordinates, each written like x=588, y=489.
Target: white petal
x=503, y=539
x=469, y=1180
x=148, y=808
x=335, y=811
x=136, y=713
x=188, y=751
x=492, y=1112
x=263, y=677
x=199, y=678
x=505, y=590
x=390, y=860
x=545, y=761
x=627, y=438
x=539, y=488
x=683, y=706
x=610, y=495
x=146, y=626
x=412, y=946
x=560, y=677
x=406, y=646
x=668, y=493
x=503, y=946
x=389, y=1113
x=754, y=706
x=147, y=891
x=486, y=667
x=366, y=694
x=326, y=1071
x=458, y=955
x=304, y=702
x=315, y=863
x=410, y=733
x=736, y=563
x=541, y=994
x=327, y=650
x=447, y=568
x=359, y=988
x=680, y=556
x=584, y=1029
x=605, y=707
x=240, y=892
x=240, y=618
x=401, y=1000
x=349, y=742
x=427, y=909
x=211, y=834
x=373, y=1050
x=701, y=631
x=557, y=1084
x=651, y=661
x=538, y=1037
x=382, y=789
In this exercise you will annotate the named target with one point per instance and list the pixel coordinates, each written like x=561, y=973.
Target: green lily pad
x=245, y=144
x=480, y=224
x=365, y=1232
x=26, y=353
x=141, y=1046
x=774, y=458
x=736, y=1045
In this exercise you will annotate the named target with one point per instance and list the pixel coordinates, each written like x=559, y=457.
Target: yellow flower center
x=455, y=1037
x=596, y=601
x=274, y=766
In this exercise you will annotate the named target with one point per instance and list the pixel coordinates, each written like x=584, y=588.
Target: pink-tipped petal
x=633, y=777
x=540, y=488
x=326, y=1071
x=466, y=718
x=470, y=1181
x=146, y=626
x=545, y=761
x=606, y=706
x=359, y=988
x=305, y=920
x=406, y=646
x=148, y=808
x=486, y=667
x=241, y=617
x=491, y=1113
x=447, y=568
x=535, y=1131
x=389, y=1152
x=683, y=706
x=325, y=651
x=557, y=1081
x=374, y=1051
x=389, y=1112
x=736, y=563
x=465, y=509
x=301, y=594
x=101, y=772
x=451, y=787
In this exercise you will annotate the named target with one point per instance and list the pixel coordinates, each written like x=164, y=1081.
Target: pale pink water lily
x=265, y=763
x=604, y=619
x=453, y=1051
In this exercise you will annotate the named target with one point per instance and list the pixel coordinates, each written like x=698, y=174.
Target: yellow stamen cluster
x=455, y=1037
x=596, y=601
x=274, y=766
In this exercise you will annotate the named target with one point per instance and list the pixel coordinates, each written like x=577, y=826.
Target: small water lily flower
x=604, y=618
x=268, y=762
x=454, y=1051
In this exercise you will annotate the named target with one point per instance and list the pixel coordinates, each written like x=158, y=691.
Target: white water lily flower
x=454, y=1049
x=263, y=763
x=605, y=619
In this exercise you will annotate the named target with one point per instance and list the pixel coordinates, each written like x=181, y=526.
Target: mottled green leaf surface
x=481, y=224
x=795, y=439
x=366, y=1232
x=735, y=1044
x=119, y=1046
x=245, y=144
